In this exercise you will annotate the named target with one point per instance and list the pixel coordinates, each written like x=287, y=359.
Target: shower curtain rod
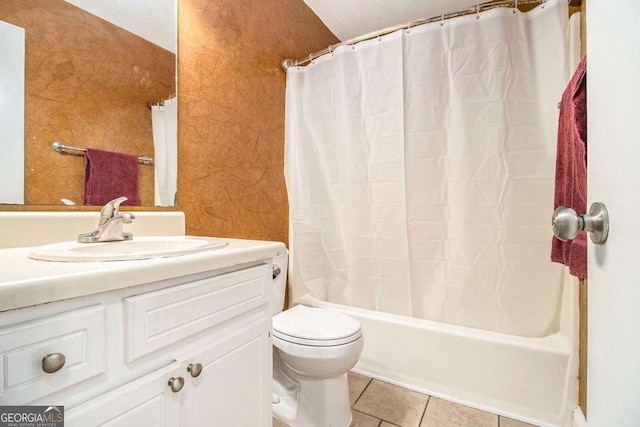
x=62, y=148
x=407, y=25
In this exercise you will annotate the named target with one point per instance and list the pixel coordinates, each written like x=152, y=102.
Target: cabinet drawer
x=79, y=335
x=158, y=319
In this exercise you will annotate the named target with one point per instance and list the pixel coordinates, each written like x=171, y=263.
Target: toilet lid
x=315, y=326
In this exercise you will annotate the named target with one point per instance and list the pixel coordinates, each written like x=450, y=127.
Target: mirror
x=92, y=70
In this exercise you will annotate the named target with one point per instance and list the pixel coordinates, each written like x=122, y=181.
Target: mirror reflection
x=91, y=74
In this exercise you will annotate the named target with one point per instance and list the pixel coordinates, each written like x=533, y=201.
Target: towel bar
x=61, y=148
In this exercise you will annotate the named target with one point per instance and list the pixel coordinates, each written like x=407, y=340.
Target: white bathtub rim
x=557, y=343
x=578, y=418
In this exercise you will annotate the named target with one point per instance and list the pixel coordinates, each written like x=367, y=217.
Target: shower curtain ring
x=477, y=11
x=442, y=20
x=515, y=9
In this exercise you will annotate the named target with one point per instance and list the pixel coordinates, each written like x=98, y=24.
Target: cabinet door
x=234, y=387
x=145, y=402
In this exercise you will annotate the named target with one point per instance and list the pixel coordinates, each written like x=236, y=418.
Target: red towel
x=109, y=175
x=571, y=169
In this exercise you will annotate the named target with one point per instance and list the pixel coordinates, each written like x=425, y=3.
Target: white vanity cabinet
x=193, y=351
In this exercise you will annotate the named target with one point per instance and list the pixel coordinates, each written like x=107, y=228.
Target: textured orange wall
x=88, y=84
x=231, y=111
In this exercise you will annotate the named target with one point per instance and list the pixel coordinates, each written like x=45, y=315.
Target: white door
x=613, y=93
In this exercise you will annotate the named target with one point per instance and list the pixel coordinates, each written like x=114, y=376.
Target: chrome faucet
x=110, y=225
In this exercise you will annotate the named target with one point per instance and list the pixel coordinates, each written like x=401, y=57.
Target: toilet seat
x=315, y=327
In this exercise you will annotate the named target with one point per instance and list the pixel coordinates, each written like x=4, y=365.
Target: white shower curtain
x=164, y=119
x=420, y=170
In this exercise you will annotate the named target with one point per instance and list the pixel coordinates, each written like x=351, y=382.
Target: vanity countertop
x=25, y=282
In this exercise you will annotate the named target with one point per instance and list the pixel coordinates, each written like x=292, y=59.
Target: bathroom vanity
x=179, y=341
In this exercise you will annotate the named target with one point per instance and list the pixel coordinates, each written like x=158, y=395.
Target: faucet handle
x=112, y=208
x=110, y=224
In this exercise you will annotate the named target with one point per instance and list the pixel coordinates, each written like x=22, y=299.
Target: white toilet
x=313, y=349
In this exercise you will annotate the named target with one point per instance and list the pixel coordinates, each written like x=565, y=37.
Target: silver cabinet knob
x=53, y=362
x=566, y=223
x=176, y=384
x=195, y=369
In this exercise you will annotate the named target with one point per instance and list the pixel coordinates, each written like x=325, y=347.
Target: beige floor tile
x=364, y=420
x=357, y=384
x=386, y=424
x=508, y=422
x=393, y=404
x=278, y=423
x=442, y=413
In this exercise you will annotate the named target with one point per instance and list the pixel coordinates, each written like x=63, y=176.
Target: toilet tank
x=279, y=284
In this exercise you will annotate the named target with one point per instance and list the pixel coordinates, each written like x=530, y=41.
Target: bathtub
x=528, y=379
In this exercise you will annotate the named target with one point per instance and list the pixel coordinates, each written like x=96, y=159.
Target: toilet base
x=310, y=402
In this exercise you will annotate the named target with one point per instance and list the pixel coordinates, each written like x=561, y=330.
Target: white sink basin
x=138, y=248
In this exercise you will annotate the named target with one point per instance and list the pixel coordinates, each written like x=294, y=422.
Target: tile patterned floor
x=378, y=404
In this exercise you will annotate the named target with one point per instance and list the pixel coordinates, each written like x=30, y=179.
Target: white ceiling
x=153, y=20
x=348, y=19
